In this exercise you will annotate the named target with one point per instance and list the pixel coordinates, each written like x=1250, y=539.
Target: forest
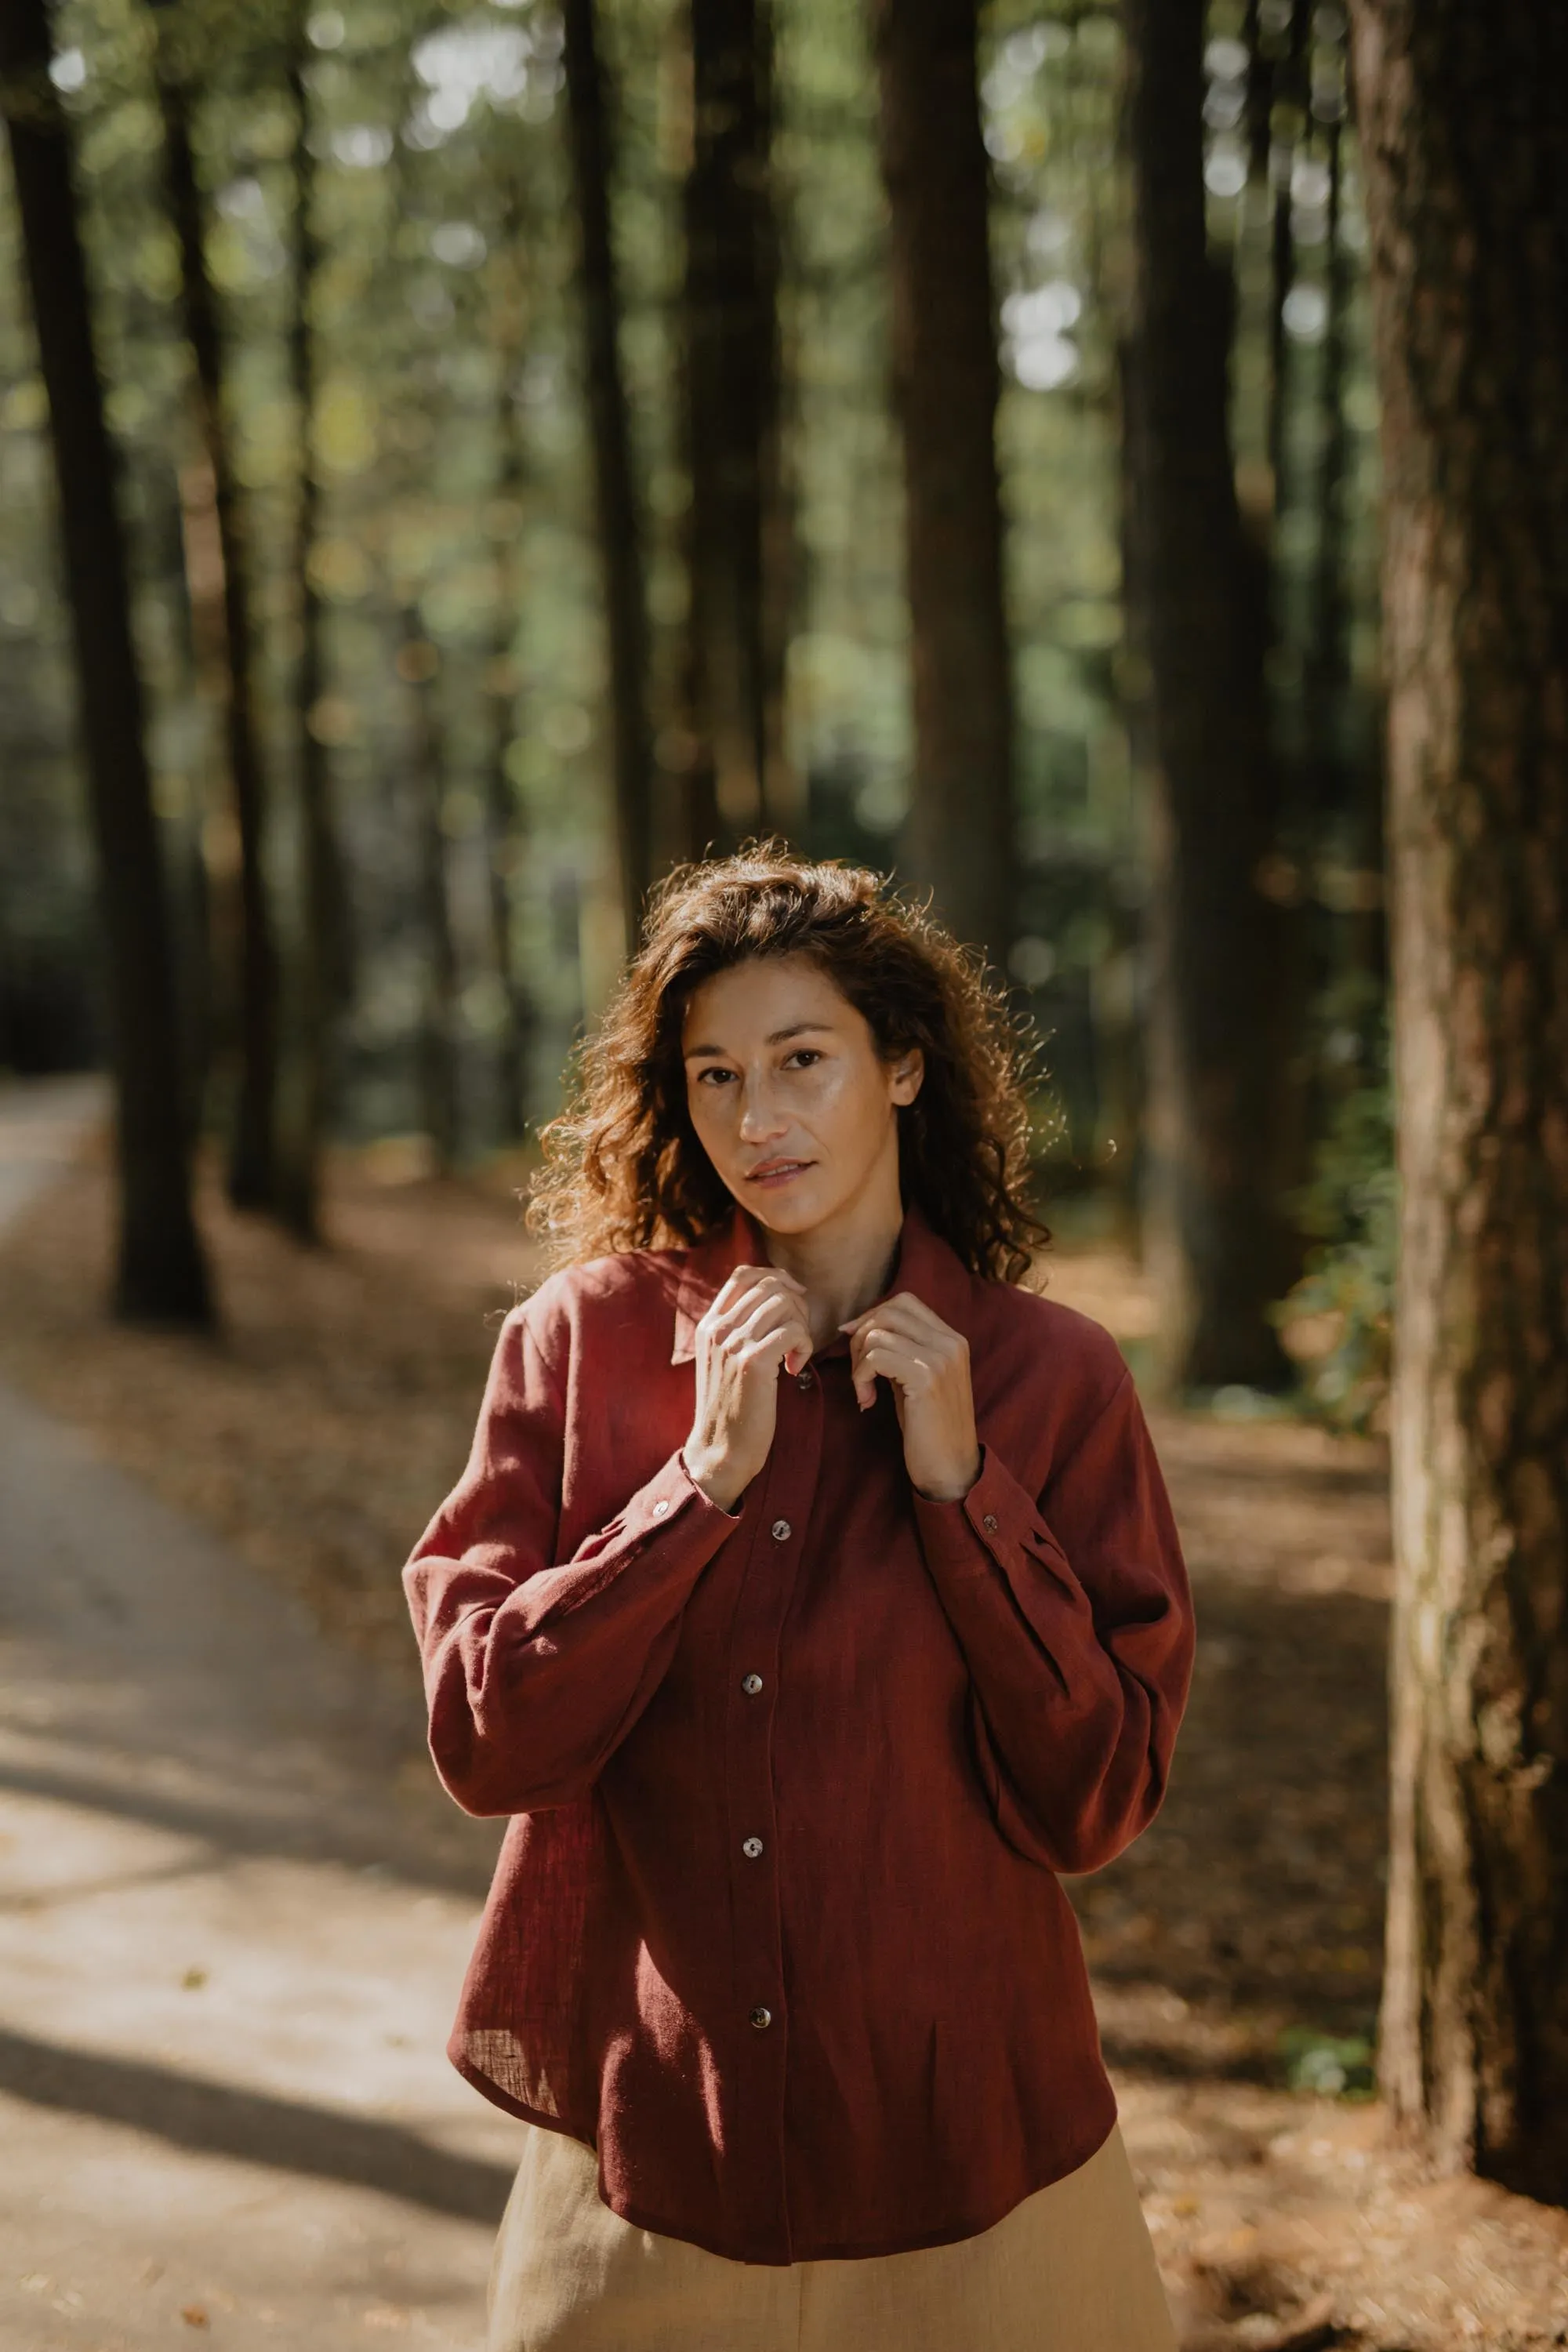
x=550, y=449
x=1105, y=465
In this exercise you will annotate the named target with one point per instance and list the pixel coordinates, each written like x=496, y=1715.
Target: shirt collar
x=926, y=1265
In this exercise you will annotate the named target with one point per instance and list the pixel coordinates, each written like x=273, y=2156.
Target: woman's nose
x=760, y=1116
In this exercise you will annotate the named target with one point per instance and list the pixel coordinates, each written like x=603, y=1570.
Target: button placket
x=773, y=1564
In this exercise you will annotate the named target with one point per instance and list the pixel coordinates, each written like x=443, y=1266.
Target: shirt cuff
x=996, y=1523
x=670, y=1493
x=690, y=1490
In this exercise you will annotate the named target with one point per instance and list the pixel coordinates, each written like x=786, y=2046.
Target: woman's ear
x=909, y=1072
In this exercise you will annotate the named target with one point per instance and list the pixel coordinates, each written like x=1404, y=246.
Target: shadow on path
x=286, y=2134
x=229, y=1828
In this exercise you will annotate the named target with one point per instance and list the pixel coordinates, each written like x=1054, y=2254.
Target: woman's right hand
x=756, y=1326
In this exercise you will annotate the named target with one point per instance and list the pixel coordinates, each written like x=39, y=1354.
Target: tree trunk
x=1287, y=111
x=945, y=385
x=731, y=381
x=252, y=1172
x=161, y=1273
x=418, y=664
x=618, y=516
x=1327, y=664
x=1343, y=759
x=1217, y=1239
x=1463, y=116
x=503, y=827
x=322, y=979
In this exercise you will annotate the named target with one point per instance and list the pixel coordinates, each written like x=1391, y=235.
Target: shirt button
x=781, y=1532
x=761, y=2018
x=803, y=1380
x=751, y=1685
x=660, y=1507
x=989, y=1523
x=752, y=1848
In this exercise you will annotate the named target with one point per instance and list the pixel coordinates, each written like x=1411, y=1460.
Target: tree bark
x=618, y=512
x=1327, y=663
x=252, y=1172
x=1287, y=111
x=1463, y=117
x=322, y=976
x=1216, y=1237
x=161, y=1274
x=731, y=381
x=505, y=848
x=418, y=664
x=946, y=383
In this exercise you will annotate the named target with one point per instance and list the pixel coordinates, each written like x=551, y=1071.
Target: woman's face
x=789, y=1097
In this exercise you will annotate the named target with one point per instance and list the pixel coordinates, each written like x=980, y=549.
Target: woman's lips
x=775, y=1172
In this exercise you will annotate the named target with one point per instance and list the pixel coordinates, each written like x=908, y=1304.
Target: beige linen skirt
x=1069, y=2270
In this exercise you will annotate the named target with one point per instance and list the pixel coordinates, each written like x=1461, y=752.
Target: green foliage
x=1327, y=2065
x=1351, y=1210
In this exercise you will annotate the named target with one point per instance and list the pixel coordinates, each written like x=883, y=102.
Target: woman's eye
x=718, y=1076
x=805, y=1055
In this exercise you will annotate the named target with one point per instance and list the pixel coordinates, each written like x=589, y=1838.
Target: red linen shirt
x=777, y=1926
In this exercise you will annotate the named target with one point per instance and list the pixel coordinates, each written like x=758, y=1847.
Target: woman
x=811, y=1600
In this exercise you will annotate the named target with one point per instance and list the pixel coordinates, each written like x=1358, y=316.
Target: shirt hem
x=489, y=2088
x=640, y=2217
x=860, y=2250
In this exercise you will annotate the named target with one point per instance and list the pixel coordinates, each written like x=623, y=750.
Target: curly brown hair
x=623, y=1167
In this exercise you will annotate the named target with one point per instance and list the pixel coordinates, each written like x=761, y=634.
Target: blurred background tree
x=946, y=382
x=160, y=1271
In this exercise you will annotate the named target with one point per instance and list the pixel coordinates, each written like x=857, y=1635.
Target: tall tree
x=503, y=825
x=323, y=961
x=418, y=664
x=731, y=381
x=161, y=1273
x=618, y=516
x=1217, y=1239
x=1344, y=769
x=1286, y=35
x=946, y=383
x=252, y=1174
x=1463, y=118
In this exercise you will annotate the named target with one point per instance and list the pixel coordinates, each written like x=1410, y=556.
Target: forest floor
x=1234, y=1949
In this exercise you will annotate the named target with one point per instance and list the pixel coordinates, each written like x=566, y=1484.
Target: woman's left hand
x=901, y=1340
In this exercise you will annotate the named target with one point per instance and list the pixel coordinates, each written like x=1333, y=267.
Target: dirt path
x=227, y=1957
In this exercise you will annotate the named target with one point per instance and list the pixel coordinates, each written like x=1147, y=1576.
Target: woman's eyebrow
x=774, y=1036
x=796, y=1029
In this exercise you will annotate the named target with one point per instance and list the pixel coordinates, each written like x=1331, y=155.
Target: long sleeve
x=1077, y=1632
x=536, y=1669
